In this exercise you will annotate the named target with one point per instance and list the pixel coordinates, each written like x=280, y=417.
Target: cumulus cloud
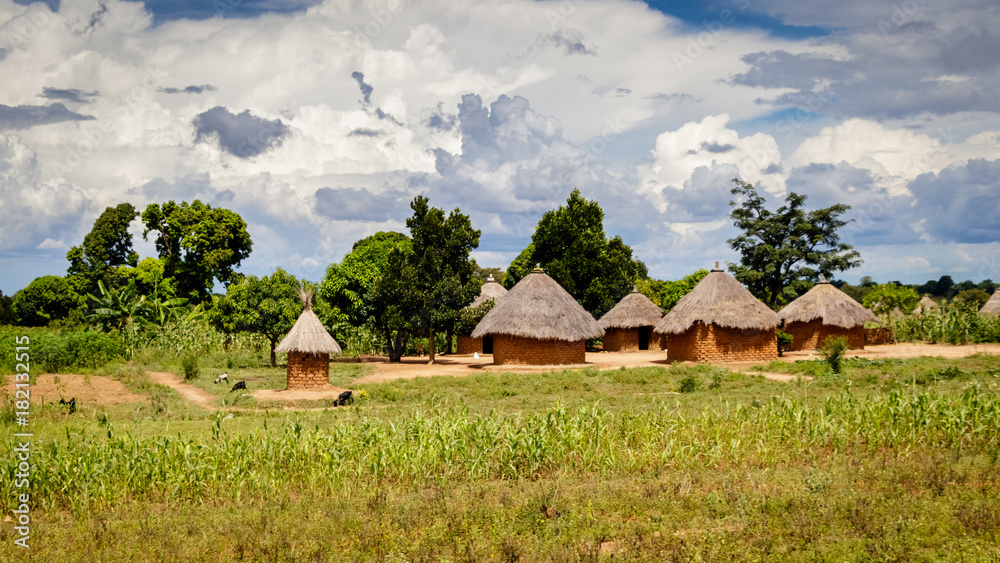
x=24, y=117
x=359, y=204
x=243, y=135
x=961, y=203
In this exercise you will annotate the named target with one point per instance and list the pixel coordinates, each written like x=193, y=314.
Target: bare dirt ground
x=200, y=397
x=89, y=390
x=297, y=394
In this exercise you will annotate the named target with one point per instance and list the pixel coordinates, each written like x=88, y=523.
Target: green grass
x=888, y=460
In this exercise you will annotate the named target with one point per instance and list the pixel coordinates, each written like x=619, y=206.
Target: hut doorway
x=645, y=335
x=487, y=345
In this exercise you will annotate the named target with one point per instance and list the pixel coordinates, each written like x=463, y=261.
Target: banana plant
x=117, y=309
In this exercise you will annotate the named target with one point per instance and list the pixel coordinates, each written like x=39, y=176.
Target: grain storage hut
x=469, y=345
x=992, y=307
x=309, y=346
x=720, y=321
x=538, y=323
x=629, y=325
x=925, y=305
x=824, y=312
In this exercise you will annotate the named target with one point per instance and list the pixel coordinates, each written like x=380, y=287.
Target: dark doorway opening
x=645, y=334
x=487, y=345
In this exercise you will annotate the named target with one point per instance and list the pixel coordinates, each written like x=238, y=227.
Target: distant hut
x=992, y=306
x=925, y=305
x=629, y=325
x=309, y=346
x=720, y=320
x=825, y=312
x=538, y=323
x=469, y=345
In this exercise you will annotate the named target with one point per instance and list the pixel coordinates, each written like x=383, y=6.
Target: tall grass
x=81, y=471
x=55, y=351
x=954, y=323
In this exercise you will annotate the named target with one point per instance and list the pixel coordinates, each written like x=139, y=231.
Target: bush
x=189, y=364
x=54, y=351
x=784, y=342
x=833, y=351
x=690, y=384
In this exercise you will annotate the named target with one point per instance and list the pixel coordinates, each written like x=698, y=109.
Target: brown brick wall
x=308, y=371
x=528, y=351
x=712, y=343
x=469, y=345
x=812, y=335
x=621, y=339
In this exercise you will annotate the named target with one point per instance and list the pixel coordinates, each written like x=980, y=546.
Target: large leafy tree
x=45, y=299
x=445, y=280
x=373, y=286
x=667, y=293
x=104, y=250
x=570, y=244
x=884, y=298
x=268, y=306
x=787, y=248
x=198, y=243
x=6, y=309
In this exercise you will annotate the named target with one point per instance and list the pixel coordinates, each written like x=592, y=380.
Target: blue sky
x=319, y=121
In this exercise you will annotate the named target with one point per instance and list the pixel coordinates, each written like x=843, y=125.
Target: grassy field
x=889, y=460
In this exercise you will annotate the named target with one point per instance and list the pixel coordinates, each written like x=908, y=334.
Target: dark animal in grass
x=240, y=385
x=345, y=398
x=550, y=512
x=71, y=403
x=223, y=377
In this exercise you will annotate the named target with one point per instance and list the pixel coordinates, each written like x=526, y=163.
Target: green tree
x=45, y=299
x=372, y=287
x=975, y=296
x=666, y=294
x=198, y=244
x=117, y=309
x=445, y=279
x=570, y=244
x=6, y=309
x=884, y=298
x=268, y=306
x=779, y=250
x=105, y=249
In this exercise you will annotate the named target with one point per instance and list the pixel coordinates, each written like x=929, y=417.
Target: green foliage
x=268, y=306
x=44, y=300
x=570, y=244
x=666, y=294
x=689, y=384
x=884, y=298
x=469, y=318
x=833, y=351
x=105, y=248
x=976, y=297
x=782, y=250
x=784, y=341
x=6, y=309
x=198, y=244
x=954, y=323
x=54, y=351
x=189, y=365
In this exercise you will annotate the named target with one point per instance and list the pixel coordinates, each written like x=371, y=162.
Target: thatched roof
x=491, y=290
x=992, y=307
x=634, y=310
x=828, y=304
x=308, y=334
x=538, y=307
x=718, y=299
x=926, y=304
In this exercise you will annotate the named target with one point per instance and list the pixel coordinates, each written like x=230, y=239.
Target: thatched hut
x=720, y=320
x=925, y=305
x=469, y=345
x=992, y=306
x=629, y=325
x=538, y=323
x=309, y=346
x=825, y=312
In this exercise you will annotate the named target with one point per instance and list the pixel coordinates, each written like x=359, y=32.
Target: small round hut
x=469, y=345
x=538, y=323
x=825, y=312
x=925, y=305
x=720, y=321
x=309, y=346
x=992, y=306
x=629, y=325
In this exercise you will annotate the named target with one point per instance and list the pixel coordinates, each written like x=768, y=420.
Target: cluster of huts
x=538, y=322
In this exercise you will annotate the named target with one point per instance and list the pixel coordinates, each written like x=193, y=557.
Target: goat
x=345, y=398
x=240, y=385
x=71, y=403
x=223, y=377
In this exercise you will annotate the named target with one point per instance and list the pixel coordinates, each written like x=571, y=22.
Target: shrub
x=784, y=342
x=833, y=351
x=189, y=364
x=690, y=384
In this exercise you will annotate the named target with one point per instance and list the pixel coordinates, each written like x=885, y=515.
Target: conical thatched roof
x=491, y=290
x=634, y=310
x=992, y=307
x=925, y=305
x=718, y=298
x=828, y=304
x=308, y=334
x=538, y=307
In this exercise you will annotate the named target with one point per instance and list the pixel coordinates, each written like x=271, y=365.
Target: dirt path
x=201, y=398
x=88, y=390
